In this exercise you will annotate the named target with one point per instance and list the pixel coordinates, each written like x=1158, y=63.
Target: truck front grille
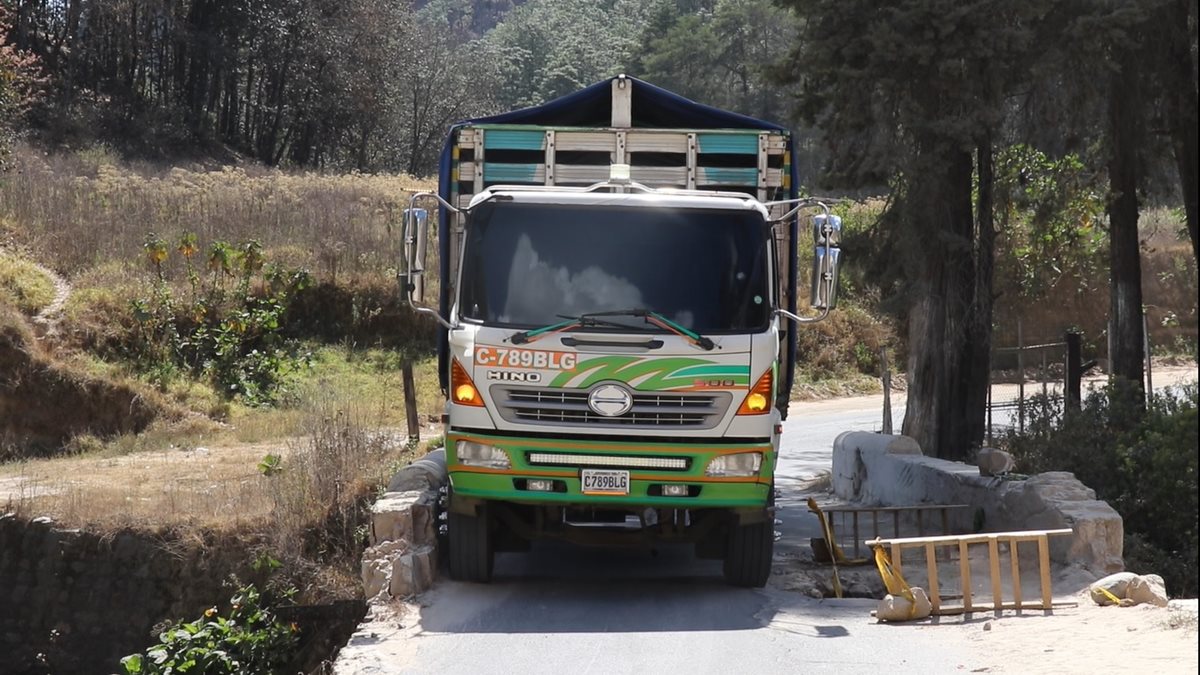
x=569, y=407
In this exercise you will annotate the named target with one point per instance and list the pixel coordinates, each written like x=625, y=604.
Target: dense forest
x=970, y=116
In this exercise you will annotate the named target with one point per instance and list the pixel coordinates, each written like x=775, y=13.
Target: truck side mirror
x=827, y=255
x=416, y=238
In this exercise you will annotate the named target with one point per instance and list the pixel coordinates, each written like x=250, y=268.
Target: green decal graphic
x=650, y=374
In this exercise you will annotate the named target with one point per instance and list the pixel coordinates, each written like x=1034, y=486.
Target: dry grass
x=23, y=285
x=77, y=212
x=346, y=422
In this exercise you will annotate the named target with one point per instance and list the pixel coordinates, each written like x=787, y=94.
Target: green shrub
x=228, y=326
x=247, y=639
x=1143, y=461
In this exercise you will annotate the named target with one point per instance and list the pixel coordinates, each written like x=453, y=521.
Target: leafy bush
x=1143, y=462
x=248, y=639
x=229, y=326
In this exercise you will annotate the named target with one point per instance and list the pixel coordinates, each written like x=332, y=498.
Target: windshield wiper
x=584, y=321
x=658, y=320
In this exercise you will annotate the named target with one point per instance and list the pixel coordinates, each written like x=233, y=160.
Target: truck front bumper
x=528, y=458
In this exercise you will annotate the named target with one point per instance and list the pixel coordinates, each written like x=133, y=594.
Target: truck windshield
x=530, y=264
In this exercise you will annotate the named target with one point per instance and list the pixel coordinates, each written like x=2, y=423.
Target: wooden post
x=856, y=537
x=994, y=564
x=1020, y=379
x=964, y=567
x=989, y=405
x=1016, y=572
x=1149, y=372
x=1045, y=377
x=932, y=571
x=410, y=400
x=1074, y=383
x=1044, y=569
x=887, y=391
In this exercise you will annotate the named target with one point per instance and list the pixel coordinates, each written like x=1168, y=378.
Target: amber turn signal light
x=758, y=401
x=462, y=389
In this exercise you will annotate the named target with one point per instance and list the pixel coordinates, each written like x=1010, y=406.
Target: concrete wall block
x=378, y=565
x=413, y=572
x=882, y=470
x=404, y=515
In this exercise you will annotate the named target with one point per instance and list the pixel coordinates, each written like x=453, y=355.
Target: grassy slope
x=23, y=285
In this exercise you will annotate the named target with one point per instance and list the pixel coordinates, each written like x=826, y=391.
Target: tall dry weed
x=321, y=490
x=78, y=212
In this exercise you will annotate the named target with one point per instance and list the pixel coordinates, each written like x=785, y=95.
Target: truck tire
x=471, y=552
x=749, y=553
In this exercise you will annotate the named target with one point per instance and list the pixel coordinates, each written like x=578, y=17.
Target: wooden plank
x=994, y=565
x=734, y=177
x=931, y=570
x=1044, y=569
x=550, y=152
x=643, y=141
x=566, y=173
x=507, y=172
x=897, y=562
x=856, y=549
x=964, y=568
x=588, y=141
x=981, y=538
x=512, y=139
x=1015, y=562
x=886, y=509
x=744, y=143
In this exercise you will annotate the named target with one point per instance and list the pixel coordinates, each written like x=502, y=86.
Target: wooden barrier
x=889, y=513
x=993, y=540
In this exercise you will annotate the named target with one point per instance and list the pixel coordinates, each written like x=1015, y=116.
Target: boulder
x=1148, y=589
x=1129, y=589
x=993, y=462
x=899, y=608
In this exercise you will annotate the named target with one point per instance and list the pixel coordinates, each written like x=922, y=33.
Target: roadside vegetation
x=1142, y=462
x=227, y=365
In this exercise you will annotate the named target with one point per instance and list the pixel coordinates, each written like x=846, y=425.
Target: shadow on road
x=559, y=588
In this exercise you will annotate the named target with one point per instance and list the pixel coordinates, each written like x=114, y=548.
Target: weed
x=246, y=638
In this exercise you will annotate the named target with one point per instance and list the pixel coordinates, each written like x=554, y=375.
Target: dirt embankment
x=44, y=403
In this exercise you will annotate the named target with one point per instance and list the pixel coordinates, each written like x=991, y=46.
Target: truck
x=616, y=302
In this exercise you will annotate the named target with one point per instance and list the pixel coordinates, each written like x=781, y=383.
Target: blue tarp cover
x=653, y=108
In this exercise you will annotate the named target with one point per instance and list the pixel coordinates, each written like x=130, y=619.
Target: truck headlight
x=740, y=464
x=479, y=454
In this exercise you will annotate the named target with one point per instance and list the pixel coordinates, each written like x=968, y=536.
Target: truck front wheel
x=748, y=555
x=471, y=552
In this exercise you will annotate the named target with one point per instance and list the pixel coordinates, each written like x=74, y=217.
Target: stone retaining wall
x=402, y=559
x=76, y=602
x=879, y=469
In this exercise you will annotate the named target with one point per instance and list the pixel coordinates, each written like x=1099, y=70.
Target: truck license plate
x=605, y=482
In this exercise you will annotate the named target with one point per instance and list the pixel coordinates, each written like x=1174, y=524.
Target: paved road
x=561, y=608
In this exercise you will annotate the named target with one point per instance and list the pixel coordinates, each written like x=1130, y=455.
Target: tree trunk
x=1182, y=116
x=938, y=212
x=979, y=327
x=1124, y=248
